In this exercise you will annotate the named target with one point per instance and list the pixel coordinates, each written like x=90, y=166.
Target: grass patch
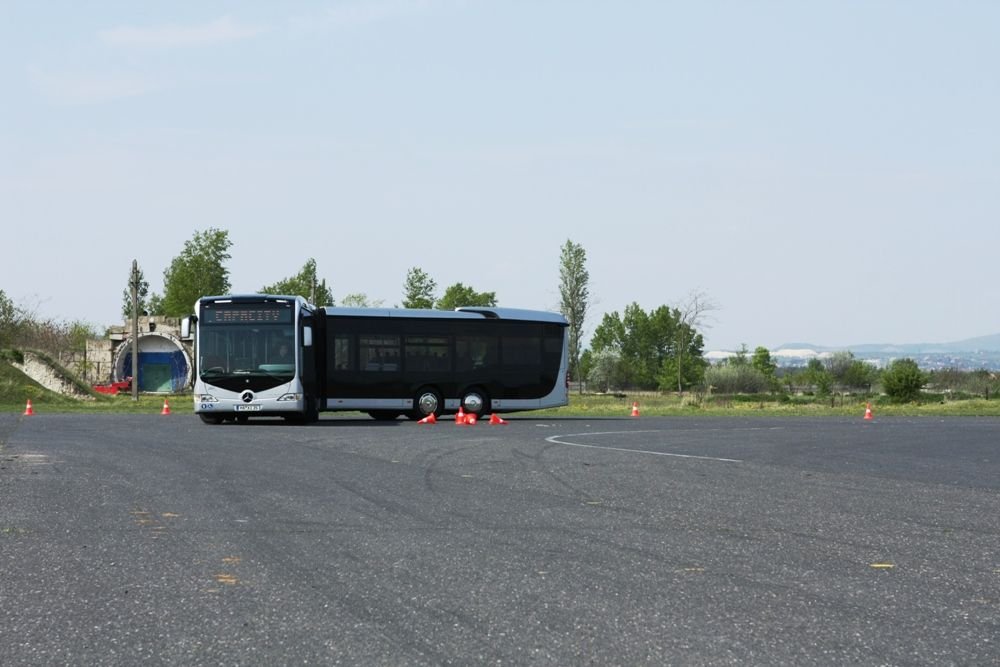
x=16, y=389
x=659, y=405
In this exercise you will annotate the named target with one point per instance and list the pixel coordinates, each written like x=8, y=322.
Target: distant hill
x=978, y=344
x=969, y=354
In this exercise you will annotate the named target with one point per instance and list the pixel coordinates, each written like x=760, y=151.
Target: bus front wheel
x=210, y=419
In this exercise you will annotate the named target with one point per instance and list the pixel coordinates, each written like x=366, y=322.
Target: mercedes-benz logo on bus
x=247, y=396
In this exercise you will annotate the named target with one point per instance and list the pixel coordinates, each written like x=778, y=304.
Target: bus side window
x=475, y=352
x=427, y=353
x=526, y=351
x=342, y=353
x=379, y=353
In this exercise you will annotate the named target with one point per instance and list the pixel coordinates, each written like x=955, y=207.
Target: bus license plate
x=248, y=408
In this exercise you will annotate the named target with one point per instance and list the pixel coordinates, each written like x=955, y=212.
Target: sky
x=824, y=172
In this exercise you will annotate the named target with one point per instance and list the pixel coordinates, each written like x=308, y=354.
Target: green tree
x=762, y=361
x=143, y=294
x=199, y=270
x=740, y=357
x=360, y=300
x=306, y=284
x=10, y=320
x=155, y=304
x=586, y=363
x=838, y=363
x=418, y=291
x=817, y=376
x=574, y=299
x=691, y=373
x=846, y=371
x=78, y=333
x=606, y=371
x=902, y=380
x=460, y=295
x=647, y=344
x=859, y=375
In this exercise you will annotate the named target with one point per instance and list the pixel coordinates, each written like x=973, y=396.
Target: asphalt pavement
x=162, y=540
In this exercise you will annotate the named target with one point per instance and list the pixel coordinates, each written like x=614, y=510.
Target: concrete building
x=165, y=361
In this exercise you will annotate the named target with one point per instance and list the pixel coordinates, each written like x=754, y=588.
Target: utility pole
x=134, y=284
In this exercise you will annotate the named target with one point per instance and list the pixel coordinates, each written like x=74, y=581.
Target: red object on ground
x=114, y=388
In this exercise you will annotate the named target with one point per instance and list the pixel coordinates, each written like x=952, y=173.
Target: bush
x=12, y=356
x=736, y=379
x=903, y=380
x=958, y=383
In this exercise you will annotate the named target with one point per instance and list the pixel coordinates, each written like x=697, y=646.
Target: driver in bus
x=283, y=355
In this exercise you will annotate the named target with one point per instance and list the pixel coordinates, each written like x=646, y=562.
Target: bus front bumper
x=286, y=404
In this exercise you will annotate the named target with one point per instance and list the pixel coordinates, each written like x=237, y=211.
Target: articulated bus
x=279, y=356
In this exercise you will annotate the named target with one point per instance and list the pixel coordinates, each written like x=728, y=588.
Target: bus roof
x=465, y=313
x=257, y=298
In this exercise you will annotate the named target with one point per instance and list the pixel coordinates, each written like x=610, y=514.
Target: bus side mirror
x=186, y=325
x=307, y=336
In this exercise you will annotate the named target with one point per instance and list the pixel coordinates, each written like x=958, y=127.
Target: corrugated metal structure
x=164, y=363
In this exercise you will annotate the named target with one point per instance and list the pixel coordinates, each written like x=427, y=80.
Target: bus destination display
x=246, y=315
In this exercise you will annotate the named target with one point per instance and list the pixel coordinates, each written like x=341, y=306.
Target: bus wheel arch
x=476, y=400
x=311, y=414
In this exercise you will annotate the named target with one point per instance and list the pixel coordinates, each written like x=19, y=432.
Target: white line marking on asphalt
x=556, y=440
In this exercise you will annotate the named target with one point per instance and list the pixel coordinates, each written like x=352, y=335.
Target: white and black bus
x=262, y=355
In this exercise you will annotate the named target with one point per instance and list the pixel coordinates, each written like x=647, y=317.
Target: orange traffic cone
x=635, y=408
x=28, y=410
x=868, y=412
x=460, y=416
x=429, y=419
x=496, y=419
x=471, y=419
x=166, y=408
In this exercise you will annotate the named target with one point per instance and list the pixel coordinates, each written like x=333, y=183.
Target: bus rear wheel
x=427, y=401
x=475, y=400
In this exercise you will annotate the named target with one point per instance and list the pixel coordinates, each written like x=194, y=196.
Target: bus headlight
x=205, y=398
x=289, y=397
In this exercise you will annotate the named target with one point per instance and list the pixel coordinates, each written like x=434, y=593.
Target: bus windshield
x=246, y=339
x=262, y=350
